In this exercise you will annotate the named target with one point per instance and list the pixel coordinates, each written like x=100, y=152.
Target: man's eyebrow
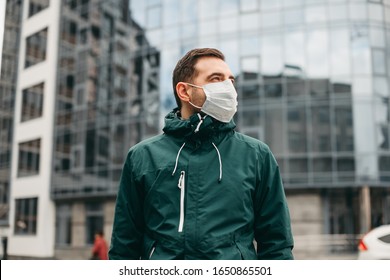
x=219, y=74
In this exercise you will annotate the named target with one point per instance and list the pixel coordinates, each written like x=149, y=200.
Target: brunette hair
x=185, y=68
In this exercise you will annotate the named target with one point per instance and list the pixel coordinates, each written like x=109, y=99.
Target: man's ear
x=181, y=89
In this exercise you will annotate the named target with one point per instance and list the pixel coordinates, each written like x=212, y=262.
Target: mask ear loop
x=198, y=107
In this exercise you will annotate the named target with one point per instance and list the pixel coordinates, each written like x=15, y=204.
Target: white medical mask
x=221, y=100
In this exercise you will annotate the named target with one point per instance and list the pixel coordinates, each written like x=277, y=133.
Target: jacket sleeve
x=127, y=233
x=272, y=219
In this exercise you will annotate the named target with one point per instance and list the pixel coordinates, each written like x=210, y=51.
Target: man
x=201, y=190
x=99, y=250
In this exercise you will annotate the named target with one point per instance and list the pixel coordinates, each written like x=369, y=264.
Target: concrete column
x=78, y=225
x=365, y=210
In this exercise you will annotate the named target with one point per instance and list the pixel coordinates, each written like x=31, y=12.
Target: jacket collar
x=186, y=130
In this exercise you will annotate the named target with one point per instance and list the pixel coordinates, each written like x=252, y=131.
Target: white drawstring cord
x=220, y=162
x=177, y=158
x=199, y=124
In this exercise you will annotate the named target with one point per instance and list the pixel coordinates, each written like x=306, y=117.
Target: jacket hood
x=197, y=127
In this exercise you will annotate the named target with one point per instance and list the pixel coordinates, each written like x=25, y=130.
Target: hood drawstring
x=177, y=158
x=220, y=162
x=215, y=147
x=200, y=122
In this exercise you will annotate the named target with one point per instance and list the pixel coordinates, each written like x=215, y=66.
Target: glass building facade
x=107, y=98
x=8, y=78
x=312, y=78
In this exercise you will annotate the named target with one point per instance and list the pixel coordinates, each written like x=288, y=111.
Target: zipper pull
x=181, y=186
x=181, y=180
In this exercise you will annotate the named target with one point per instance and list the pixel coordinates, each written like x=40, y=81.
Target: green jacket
x=200, y=191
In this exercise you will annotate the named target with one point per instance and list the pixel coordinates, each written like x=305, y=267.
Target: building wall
x=40, y=244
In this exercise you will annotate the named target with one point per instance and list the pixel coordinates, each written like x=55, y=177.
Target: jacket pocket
x=149, y=248
x=246, y=249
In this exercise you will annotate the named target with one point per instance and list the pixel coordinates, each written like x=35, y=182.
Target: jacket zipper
x=151, y=252
x=181, y=186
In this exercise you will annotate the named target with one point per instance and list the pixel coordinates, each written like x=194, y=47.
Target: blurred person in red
x=100, y=248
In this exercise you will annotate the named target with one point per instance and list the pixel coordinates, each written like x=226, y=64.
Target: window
x=32, y=102
x=36, y=48
x=26, y=216
x=36, y=6
x=64, y=224
x=29, y=156
x=385, y=238
x=94, y=220
x=69, y=31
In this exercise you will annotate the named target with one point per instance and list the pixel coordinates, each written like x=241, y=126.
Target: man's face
x=210, y=70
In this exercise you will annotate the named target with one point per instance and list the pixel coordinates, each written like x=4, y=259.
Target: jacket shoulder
x=256, y=144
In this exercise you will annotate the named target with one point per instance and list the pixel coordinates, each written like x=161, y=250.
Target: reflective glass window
x=375, y=12
x=64, y=224
x=340, y=63
x=153, y=17
x=35, y=6
x=320, y=120
x=322, y=164
x=94, y=220
x=345, y=164
x=345, y=168
x=317, y=52
x=273, y=89
x=207, y=28
x=250, y=92
x=294, y=50
x=377, y=37
x=250, y=68
x=298, y=170
x=29, y=158
x=171, y=12
x=188, y=10
x=357, y=11
x=270, y=4
x=384, y=163
x=315, y=14
x=362, y=85
x=208, y=9
x=297, y=134
x=250, y=45
x=36, y=48
x=379, y=61
x=293, y=16
x=381, y=88
x=249, y=21
x=271, y=19
x=26, y=216
x=228, y=24
x=249, y=5
x=343, y=128
x=32, y=102
x=387, y=14
x=228, y=7
x=338, y=12
x=360, y=48
x=319, y=87
x=274, y=128
x=271, y=55
x=295, y=88
x=230, y=48
x=252, y=118
x=138, y=12
x=292, y=3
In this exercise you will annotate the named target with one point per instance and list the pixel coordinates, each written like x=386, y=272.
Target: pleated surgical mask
x=221, y=100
